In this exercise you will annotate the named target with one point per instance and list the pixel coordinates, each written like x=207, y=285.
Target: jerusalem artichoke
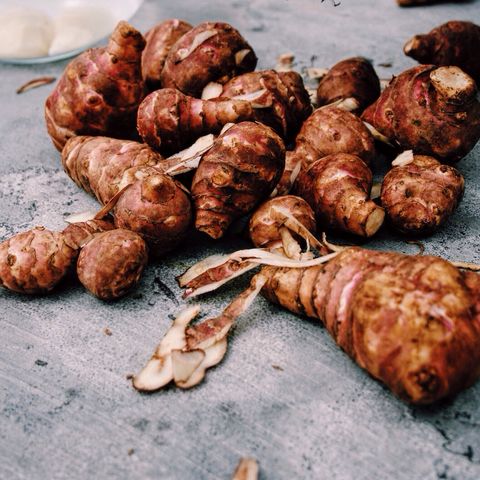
x=337, y=187
x=127, y=174
x=290, y=103
x=169, y=120
x=453, y=43
x=111, y=263
x=350, y=78
x=99, y=91
x=420, y=195
x=430, y=110
x=237, y=173
x=35, y=261
x=210, y=52
x=159, y=41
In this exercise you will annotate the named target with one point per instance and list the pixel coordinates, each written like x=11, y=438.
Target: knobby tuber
x=235, y=175
x=290, y=102
x=412, y=322
x=421, y=194
x=337, y=187
x=111, y=263
x=142, y=198
x=159, y=41
x=453, y=43
x=210, y=52
x=430, y=110
x=350, y=78
x=35, y=261
x=169, y=120
x=99, y=91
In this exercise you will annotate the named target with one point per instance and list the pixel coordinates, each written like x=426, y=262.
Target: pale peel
x=200, y=38
x=375, y=191
x=247, y=469
x=240, y=55
x=377, y=135
x=81, y=217
x=188, y=159
x=291, y=247
x=404, y=158
x=211, y=90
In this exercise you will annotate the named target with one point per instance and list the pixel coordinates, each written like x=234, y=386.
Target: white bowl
x=76, y=23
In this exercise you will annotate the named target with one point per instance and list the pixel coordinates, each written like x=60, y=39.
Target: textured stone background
x=67, y=410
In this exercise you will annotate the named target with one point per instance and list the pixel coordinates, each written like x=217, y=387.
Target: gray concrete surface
x=67, y=409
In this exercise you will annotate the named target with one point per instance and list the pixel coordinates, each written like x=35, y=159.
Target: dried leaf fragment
x=247, y=469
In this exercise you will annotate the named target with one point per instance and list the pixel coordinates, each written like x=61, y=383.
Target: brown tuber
x=111, y=263
x=125, y=174
x=412, y=322
x=337, y=187
x=169, y=120
x=237, y=173
x=453, y=43
x=35, y=261
x=210, y=52
x=350, y=78
x=420, y=195
x=289, y=101
x=99, y=91
x=160, y=39
x=430, y=110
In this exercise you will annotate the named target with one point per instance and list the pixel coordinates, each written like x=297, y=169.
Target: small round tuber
x=210, y=52
x=420, y=196
x=111, y=264
x=350, y=78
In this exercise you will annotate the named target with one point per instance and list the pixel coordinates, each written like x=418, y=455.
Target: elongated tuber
x=337, y=187
x=210, y=52
x=126, y=174
x=430, y=110
x=290, y=102
x=420, y=195
x=159, y=41
x=99, y=91
x=169, y=120
x=413, y=322
x=111, y=263
x=453, y=43
x=235, y=175
x=350, y=78
x=35, y=261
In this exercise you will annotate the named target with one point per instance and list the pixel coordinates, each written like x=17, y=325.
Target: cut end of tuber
x=374, y=221
x=453, y=84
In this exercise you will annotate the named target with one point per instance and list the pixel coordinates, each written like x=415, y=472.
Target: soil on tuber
x=210, y=52
x=421, y=194
x=111, y=263
x=430, y=110
x=99, y=91
x=235, y=175
x=350, y=78
x=337, y=187
x=159, y=41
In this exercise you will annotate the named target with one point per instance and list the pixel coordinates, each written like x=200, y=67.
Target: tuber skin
x=265, y=228
x=169, y=121
x=125, y=173
x=238, y=172
x=111, y=263
x=36, y=261
x=99, y=91
x=413, y=322
x=102, y=166
x=210, y=52
x=430, y=110
x=290, y=100
x=337, y=187
x=331, y=130
x=420, y=196
x=453, y=43
x=159, y=41
x=350, y=78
